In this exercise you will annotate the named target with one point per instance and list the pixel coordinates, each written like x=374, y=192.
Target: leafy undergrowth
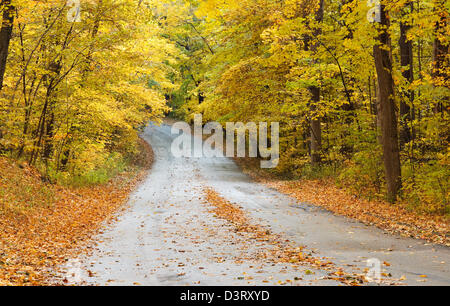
x=282, y=250
x=41, y=225
x=396, y=219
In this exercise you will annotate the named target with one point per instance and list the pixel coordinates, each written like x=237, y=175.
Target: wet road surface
x=168, y=236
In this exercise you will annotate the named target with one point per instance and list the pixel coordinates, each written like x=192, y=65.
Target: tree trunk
x=349, y=107
x=440, y=51
x=5, y=36
x=406, y=101
x=316, y=130
x=388, y=117
x=94, y=32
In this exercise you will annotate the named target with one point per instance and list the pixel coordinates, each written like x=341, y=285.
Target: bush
x=364, y=174
x=426, y=188
x=113, y=165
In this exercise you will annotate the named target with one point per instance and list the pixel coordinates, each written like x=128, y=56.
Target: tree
x=5, y=35
x=79, y=93
x=305, y=64
x=406, y=61
x=316, y=129
x=387, y=114
x=441, y=62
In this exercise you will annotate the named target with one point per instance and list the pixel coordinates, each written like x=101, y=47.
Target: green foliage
x=103, y=171
x=427, y=188
x=363, y=175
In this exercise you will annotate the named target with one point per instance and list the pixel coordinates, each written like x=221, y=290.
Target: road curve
x=168, y=236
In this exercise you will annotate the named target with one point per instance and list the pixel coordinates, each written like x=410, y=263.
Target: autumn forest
x=361, y=90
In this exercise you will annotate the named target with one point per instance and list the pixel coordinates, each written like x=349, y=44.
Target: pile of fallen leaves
x=394, y=219
x=43, y=225
x=282, y=250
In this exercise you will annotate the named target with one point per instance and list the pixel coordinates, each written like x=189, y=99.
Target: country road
x=168, y=236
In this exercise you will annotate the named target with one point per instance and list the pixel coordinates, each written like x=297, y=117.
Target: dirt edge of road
x=394, y=219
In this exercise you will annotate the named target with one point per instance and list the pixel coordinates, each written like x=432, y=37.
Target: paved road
x=168, y=236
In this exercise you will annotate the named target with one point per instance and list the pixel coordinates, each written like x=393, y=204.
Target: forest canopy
x=75, y=94
x=360, y=88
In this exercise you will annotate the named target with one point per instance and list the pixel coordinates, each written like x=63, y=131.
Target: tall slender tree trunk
x=349, y=107
x=316, y=129
x=388, y=117
x=440, y=51
x=5, y=36
x=94, y=32
x=407, y=100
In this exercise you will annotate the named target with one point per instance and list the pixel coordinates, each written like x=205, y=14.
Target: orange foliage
x=280, y=249
x=45, y=231
x=391, y=218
